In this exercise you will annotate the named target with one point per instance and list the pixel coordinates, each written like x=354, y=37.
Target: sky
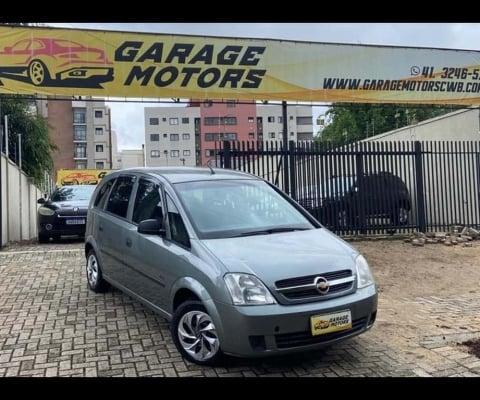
x=128, y=117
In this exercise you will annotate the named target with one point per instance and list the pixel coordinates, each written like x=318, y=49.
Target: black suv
x=346, y=202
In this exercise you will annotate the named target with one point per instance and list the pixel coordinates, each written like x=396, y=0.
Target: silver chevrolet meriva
x=236, y=266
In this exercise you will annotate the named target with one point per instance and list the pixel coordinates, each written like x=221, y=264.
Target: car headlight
x=46, y=211
x=247, y=290
x=364, y=274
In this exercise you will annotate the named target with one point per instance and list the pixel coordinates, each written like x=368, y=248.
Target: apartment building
x=81, y=129
x=170, y=136
x=270, y=122
x=187, y=135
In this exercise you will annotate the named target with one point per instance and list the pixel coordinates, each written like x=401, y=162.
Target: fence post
x=293, y=169
x=421, y=223
x=227, y=155
x=359, y=151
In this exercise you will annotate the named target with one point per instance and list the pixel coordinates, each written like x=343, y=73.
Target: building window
x=165, y=135
x=304, y=120
x=79, y=115
x=173, y=121
x=154, y=137
x=79, y=132
x=98, y=114
x=99, y=148
x=81, y=165
x=98, y=131
x=231, y=103
x=250, y=119
x=174, y=137
x=280, y=119
x=185, y=136
x=292, y=133
x=154, y=121
x=210, y=137
x=207, y=103
x=80, y=151
x=271, y=135
x=271, y=119
x=209, y=153
x=155, y=153
x=185, y=120
x=251, y=135
x=175, y=153
x=186, y=153
x=211, y=121
x=229, y=120
x=100, y=165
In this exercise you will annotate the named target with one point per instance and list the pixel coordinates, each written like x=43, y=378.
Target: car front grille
x=304, y=288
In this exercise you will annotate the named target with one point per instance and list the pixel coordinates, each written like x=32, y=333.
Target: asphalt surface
x=51, y=325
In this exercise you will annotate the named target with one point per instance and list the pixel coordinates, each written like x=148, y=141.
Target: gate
x=370, y=187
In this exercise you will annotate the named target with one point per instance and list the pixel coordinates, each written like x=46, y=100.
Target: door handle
x=128, y=242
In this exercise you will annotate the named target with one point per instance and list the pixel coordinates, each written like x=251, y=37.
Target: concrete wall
x=457, y=125
x=19, y=204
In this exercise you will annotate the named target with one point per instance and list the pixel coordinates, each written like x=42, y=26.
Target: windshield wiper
x=270, y=231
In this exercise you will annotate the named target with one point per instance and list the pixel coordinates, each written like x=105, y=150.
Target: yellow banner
x=57, y=61
x=80, y=176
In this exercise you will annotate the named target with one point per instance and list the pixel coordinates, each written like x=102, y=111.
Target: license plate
x=80, y=221
x=326, y=323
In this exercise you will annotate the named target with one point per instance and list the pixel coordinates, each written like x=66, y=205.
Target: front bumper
x=257, y=331
x=57, y=226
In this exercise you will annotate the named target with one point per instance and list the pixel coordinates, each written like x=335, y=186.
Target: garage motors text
x=193, y=64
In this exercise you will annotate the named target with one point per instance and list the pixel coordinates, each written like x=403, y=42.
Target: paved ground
x=51, y=325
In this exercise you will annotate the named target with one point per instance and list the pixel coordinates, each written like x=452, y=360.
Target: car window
x=102, y=195
x=120, y=195
x=148, y=204
x=178, y=232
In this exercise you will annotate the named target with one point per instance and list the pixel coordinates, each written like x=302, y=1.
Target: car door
x=113, y=227
x=141, y=255
x=158, y=260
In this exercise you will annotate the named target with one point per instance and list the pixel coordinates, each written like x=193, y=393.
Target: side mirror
x=41, y=200
x=151, y=227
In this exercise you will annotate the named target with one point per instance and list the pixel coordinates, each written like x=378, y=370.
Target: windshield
x=228, y=208
x=69, y=193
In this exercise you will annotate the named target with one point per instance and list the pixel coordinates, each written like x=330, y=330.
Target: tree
x=350, y=122
x=36, y=145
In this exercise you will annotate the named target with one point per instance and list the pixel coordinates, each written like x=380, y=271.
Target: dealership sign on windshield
x=73, y=62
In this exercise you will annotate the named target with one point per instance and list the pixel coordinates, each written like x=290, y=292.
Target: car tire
x=38, y=73
x=195, y=335
x=95, y=279
x=43, y=238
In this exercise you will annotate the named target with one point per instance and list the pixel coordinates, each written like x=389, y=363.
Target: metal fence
x=335, y=183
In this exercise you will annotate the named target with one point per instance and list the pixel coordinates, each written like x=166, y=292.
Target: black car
x=347, y=202
x=64, y=213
